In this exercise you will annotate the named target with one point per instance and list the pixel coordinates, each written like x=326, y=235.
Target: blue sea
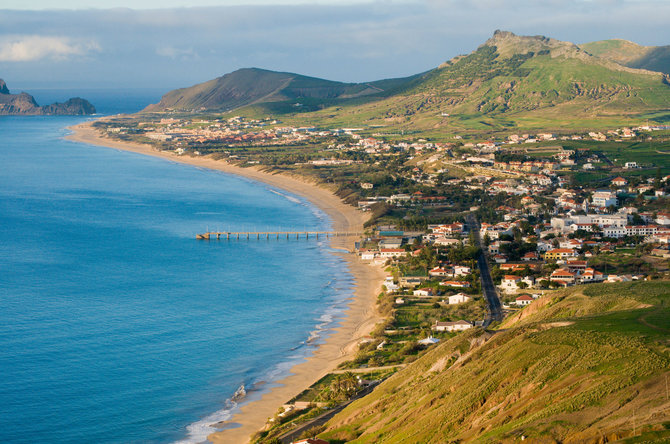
x=116, y=325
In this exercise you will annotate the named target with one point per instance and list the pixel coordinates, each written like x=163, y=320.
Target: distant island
x=25, y=105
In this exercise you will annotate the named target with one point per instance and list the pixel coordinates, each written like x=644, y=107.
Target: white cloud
x=28, y=48
x=176, y=53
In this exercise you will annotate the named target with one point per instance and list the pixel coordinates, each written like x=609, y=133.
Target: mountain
x=252, y=85
x=25, y=104
x=519, y=82
x=508, y=83
x=653, y=58
x=587, y=364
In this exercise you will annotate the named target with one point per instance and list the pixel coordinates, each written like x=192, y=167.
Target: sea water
x=116, y=325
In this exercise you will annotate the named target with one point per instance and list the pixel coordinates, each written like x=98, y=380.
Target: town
x=533, y=214
x=553, y=210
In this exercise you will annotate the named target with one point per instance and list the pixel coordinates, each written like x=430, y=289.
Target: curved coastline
x=360, y=316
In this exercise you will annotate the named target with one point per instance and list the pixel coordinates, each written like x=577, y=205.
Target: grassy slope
x=249, y=86
x=503, y=86
x=582, y=364
x=654, y=58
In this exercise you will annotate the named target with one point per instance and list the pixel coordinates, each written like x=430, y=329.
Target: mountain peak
x=508, y=44
x=3, y=87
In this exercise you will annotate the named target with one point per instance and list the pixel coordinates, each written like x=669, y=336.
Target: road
x=295, y=433
x=489, y=290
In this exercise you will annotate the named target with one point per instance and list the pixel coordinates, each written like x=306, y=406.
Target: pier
x=248, y=235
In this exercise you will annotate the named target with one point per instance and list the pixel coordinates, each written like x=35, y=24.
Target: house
x=452, y=326
x=590, y=275
x=563, y=275
x=458, y=284
x=576, y=266
x=399, y=301
x=390, y=242
x=446, y=241
x=368, y=255
x=458, y=298
x=390, y=286
x=367, y=186
x=604, y=199
x=510, y=282
x=530, y=256
x=461, y=270
x=523, y=300
x=423, y=292
x=439, y=271
x=513, y=267
x=392, y=252
x=619, y=182
x=499, y=258
x=559, y=254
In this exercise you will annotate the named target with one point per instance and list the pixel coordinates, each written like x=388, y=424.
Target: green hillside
x=510, y=83
x=587, y=364
x=653, y=58
x=252, y=85
x=516, y=82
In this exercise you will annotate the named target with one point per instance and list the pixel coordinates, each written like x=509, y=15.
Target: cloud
x=177, y=53
x=341, y=41
x=28, y=48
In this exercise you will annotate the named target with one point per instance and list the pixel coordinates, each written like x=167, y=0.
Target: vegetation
x=583, y=364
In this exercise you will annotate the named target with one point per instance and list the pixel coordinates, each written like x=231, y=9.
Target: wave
x=291, y=198
x=198, y=431
x=337, y=292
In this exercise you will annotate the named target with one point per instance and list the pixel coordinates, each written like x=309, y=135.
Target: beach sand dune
x=360, y=317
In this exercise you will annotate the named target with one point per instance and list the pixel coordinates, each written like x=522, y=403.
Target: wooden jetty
x=237, y=235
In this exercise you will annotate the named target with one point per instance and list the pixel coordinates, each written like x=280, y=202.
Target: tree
x=343, y=386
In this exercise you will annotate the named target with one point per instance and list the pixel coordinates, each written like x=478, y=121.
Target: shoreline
x=359, y=317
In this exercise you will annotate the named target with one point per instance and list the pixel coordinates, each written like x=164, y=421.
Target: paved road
x=489, y=290
x=293, y=435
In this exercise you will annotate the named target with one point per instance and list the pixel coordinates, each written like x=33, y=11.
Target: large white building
x=604, y=199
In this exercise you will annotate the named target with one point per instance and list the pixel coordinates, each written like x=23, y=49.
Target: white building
x=604, y=199
x=452, y=326
x=458, y=298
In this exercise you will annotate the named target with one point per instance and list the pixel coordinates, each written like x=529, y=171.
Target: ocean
x=116, y=325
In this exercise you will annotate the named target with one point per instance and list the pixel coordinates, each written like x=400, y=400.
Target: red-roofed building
x=510, y=282
x=619, y=182
x=523, y=300
x=564, y=275
x=458, y=284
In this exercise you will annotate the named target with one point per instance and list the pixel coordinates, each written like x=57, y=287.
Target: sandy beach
x=361, y=315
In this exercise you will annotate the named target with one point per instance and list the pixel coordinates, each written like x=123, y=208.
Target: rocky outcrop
x=25, y=105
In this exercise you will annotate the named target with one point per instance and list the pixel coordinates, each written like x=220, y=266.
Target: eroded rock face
x=24, y=104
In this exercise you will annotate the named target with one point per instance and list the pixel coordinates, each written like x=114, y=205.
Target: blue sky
x=105, y=44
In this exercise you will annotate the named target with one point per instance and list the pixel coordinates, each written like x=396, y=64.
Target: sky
x=173, y=43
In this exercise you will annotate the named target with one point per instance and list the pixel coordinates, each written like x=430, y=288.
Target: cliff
x=24, y=104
